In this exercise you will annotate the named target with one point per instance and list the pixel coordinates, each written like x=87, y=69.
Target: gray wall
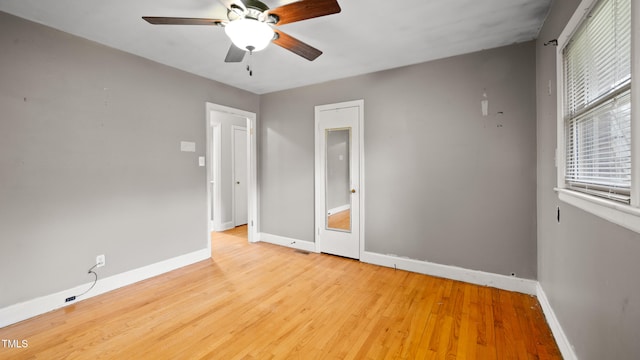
x=587, y=266
x=90, y=161
x=472, y=205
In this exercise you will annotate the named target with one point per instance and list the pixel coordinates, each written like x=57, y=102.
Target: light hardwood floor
x=261, y=301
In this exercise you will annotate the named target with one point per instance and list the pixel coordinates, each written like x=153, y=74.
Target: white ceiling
x=367, y=36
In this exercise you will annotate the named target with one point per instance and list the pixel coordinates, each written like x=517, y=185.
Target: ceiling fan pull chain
x=249, y=62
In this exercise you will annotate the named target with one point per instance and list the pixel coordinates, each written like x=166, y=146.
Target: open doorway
x=231, y=170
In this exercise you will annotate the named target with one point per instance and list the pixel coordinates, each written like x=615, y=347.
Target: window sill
x=620, y=214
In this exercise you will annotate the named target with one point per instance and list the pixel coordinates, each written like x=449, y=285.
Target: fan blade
x=234, y=55
x=158, y=20
x=304, y=9
x=296, y=46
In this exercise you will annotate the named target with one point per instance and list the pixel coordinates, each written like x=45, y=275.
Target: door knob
x=238, y=182
x=353, y=191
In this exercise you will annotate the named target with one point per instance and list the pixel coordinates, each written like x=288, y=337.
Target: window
x=597, y=111
x=595, y=135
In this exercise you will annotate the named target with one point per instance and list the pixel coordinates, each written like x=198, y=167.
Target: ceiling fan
x=250, y=25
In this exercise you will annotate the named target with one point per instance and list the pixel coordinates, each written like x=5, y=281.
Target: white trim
x=560, y=143
x=615, y=212
x=213, y=174
x=362, y=182
x=28, y=309
x=253, y=220
x=338, y=209
x=635, y=103
x=318, y=183
x=564, y=345
x=288, y=242
x=503, y=282
x=254, y=200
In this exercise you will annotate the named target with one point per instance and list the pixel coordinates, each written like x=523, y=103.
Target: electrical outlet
x=100, y=261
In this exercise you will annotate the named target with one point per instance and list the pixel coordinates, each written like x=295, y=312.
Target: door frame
x=214, y=170
x=233, y=170
x=253, y=224
x=319, y=216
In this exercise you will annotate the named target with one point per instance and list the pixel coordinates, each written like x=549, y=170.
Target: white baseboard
x=28, y=309
x=564, y=345
x=338, y=209
x=288, y=242
x=224, y=226
x=504, y=282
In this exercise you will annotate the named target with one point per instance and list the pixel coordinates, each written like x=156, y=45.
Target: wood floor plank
x=261, y=301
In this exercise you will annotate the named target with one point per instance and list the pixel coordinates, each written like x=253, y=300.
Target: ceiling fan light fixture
x=249, y=34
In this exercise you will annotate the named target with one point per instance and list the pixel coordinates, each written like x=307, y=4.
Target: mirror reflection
x=338, y=179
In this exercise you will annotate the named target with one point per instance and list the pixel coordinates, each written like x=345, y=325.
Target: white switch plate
x=200, y=160
x=187, y=146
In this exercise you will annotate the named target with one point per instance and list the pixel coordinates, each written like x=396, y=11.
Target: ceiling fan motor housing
x=256, y=5
x=253, y=9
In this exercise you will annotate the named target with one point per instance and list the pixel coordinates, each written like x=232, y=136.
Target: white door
x=240, y=178
x=338, y=182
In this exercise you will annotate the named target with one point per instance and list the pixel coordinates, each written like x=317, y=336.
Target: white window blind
x=597, y=114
